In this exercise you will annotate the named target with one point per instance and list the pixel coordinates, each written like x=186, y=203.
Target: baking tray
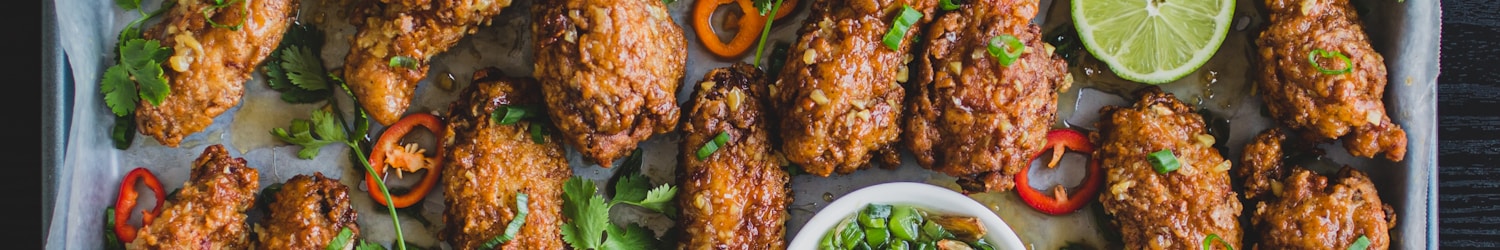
x=87, y=169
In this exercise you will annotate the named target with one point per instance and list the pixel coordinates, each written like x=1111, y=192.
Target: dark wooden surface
x=1469, y=125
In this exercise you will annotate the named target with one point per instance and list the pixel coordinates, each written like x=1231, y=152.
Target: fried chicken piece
x=1322, y=106
x=307, y=213
x=971, y=116
x=209, y=65
x=1175, y=210
x=840, y=95
x=415, y=29
x=490, y=163
x=736, y=198
x=209, y=211
x=610, y=71
x=1299, y=209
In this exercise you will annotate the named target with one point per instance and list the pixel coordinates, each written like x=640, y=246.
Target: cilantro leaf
x=128, y=4
x=313, y=135
x=631, y=237
x=589, y=213
x=304, y=68
x=138, y=53
x=366, y=245
x=763, y=6
x=153, y=85
x=119, y=92
x=636, y=190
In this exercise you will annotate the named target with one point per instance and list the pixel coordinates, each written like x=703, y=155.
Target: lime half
x=1152, y=41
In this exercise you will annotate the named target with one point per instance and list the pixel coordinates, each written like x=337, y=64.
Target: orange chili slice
x=750, y=25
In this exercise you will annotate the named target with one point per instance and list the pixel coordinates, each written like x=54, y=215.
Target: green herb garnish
x=1163, y=161
x=900, y=25
x=1360, y=244
x=514, y=226
x=343, y=239
x=1006, y=48
x=1208, y=242
x=948, y=4
x=404, y=62
x=711, y=146
x=1312, y=57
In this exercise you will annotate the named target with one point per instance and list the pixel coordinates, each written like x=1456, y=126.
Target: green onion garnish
x=899, y=26
x=948, y=4
x=1007, y=48
x=536, y=133
x=1312, y=57
x=1164, y=161
x=404, y=62
x=713, y=145
x=342, y=240
x=1209, y=241
x=1361, y=244
x=507, y=115
x=513, y=228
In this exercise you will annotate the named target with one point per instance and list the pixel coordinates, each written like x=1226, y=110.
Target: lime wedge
x=1152, y=41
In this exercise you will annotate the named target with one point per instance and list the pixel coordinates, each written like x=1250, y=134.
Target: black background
x=1469, y=125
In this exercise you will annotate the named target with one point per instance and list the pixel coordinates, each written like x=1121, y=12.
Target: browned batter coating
x=1325, y=107
x=1175, y=210
x=209, y=65
x=1300, y=209
x=416, y=29
x=840, y=95
x=610, y=71
x=489, y=163
x=307, y=213
x=209, y=211
x=737, y=197
x=972, y=117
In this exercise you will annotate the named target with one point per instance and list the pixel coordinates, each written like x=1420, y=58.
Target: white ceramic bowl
x=925, y=196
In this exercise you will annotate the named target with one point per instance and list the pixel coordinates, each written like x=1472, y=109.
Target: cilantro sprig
x=591, y=227
x=295, y=69
x=137, y=74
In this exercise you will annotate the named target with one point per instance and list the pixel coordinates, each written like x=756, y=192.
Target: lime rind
x=1143, y=50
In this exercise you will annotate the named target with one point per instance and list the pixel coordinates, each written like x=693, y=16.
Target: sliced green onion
x=948, y=4
x=905, y=223
x=899, y=26
x=342, y=240
x=509, y=114
x=1164, y=161
x=111, y=240
x=1007, y=48
x=1312, y=57
x=852, y=235
x=536, y=134
x=931, y=231
x=1361, y=244
x=900, y=245
x=713, y=145
x=877, y=237
x=875, y=216
x=830, y=241
x=1209, y=242
x=404, y=62
x=514, y=226
x=982, y=245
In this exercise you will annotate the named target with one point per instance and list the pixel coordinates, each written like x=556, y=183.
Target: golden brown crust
x=1325, y=107
x=1311, y=213
x=209, y=66
x=209, y=211
x=737, y=197
x=489, y=163
x=971, y=116
x=1262, y=163
x=840, y=93
x=1176, y=210
x=307, y=213
x=418, y=29
x=610, y=71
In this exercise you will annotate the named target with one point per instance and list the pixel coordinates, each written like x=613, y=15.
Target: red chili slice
x=125, y=202
x=1060, y=203
x=388, y=141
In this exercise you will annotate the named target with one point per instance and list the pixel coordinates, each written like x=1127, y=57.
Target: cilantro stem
x=765, y=32
x=400, y=241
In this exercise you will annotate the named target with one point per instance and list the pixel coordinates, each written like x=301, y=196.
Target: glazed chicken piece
x=209, y=211
x=1178, y=209
x=969, y=115
x=1301, y=209
x=391, y=32
x=735, y=198
x=610, y=72
x=307, y=213
x=839, y=96
x=209, y=65
x=1316, y=100
x=490, y=163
